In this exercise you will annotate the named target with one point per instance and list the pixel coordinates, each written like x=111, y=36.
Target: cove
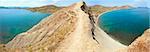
x=125, y=25
x=15, y=21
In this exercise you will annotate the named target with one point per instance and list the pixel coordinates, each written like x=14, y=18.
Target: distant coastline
x=96, y=9
x=110, y=11
x=117, y=9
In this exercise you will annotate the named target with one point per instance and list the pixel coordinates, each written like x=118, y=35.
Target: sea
x=16, y=21
x=125, y=25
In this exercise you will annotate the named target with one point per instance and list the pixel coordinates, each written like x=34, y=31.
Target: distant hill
x=46, y=9
x=97, y=9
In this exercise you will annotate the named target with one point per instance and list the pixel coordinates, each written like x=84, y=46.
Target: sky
x=37, y=3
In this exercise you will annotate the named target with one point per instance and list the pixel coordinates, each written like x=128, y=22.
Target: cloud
x=138, y=0
x=66, y=2
x=31, y=3
x=140, y=3
x=36, y=3
x=55, y=1
x=25, y=3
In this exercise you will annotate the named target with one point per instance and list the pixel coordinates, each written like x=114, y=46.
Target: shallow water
x=125, y=25
x=15, y=21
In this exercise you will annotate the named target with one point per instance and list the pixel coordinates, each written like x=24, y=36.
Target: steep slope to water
x=126, y=24
x=15, y=21
x=71, y=29
x=141, y=44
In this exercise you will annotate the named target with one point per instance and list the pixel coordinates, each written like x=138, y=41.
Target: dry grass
x=56, y=37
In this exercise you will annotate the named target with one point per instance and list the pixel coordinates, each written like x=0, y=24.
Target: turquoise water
x=15, y=21
x=125, y=25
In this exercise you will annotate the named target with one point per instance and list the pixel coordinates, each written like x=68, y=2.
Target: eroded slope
x=71, y=29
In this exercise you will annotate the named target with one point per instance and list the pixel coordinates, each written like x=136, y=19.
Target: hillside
x=71, y=29
x=96, y=10
x=141, y=44
x=45, y=9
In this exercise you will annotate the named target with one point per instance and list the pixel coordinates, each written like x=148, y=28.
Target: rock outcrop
x=141, y=44
x=72, y=29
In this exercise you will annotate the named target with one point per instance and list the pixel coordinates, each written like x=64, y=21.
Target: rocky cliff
x=141, y=44
x=72, y=29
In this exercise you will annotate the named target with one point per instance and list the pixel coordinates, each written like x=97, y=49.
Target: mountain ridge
x=71, y=29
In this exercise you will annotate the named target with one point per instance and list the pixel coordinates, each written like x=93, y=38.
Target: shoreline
x=106, y=12
x=110, y=11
